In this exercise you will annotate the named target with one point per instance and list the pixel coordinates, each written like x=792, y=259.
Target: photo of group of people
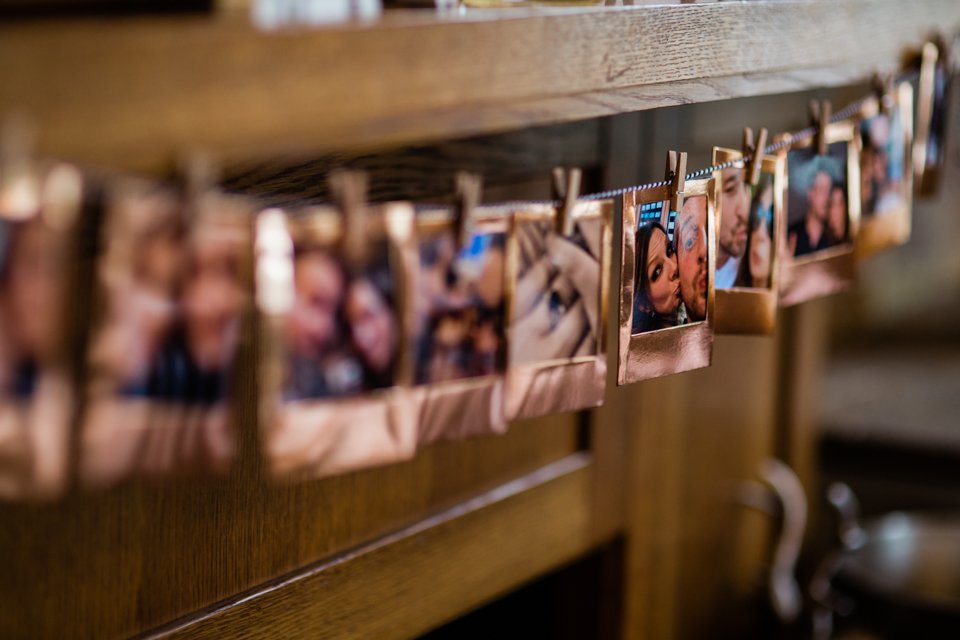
x=460, y=306
x=170, y=299
x=819, y=216
x=745, y=238
x=671, y=266
x=342, y=334
x=556, y=305
x=882, y=164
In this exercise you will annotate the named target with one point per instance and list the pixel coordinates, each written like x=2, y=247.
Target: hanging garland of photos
x=374, y=330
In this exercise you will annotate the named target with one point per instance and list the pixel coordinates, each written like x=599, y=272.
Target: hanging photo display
x=460, y=344
x=885, y=139
x=667, y=280
x=39, y=215
x=751, y=214
x=559, y=263
x=331, y=287
x=823, y=213
x=933, y=96
x=170, y=295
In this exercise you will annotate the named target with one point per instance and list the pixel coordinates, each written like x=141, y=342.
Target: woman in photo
x=656, y=296
x=755, y=270
x=837, y=218
x=374, y=333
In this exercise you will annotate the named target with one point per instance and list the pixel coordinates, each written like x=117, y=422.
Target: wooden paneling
x=409, y=582
x=697, y=557
x=121, y=562
x=135, y=93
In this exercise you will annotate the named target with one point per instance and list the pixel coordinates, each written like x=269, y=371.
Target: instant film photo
x=748, y=260
x=667, y=281
x=40, y=211
x=171, y=293
x=460, y=343
x=557, y=308
x=885, y=142
x=333, y=294
x=823, y=214
x=934, y=91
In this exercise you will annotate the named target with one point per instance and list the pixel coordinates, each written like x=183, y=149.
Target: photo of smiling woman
x=754, y=269
x=670, y=277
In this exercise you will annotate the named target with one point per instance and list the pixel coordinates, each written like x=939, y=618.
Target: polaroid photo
x=822, y=216
x=171, y=293
x=934, y=91
x=335, y=327
x=558, y=290
x=40, y=215
x=460, y=334
x=667, y=282
x=748, y=254
x=885, y=142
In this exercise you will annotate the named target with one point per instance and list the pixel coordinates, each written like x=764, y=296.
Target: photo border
x=369, y=429
x=892, y=228
x=475, y=404
x=211, y=211
x=830, y=270
x=751, y=310
x=565, y=384
x=674, y=349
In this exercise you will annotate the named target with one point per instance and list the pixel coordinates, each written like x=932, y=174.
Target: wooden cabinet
x=652, y=476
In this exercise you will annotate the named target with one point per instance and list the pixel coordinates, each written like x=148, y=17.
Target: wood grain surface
x=122, y=562
x=135, y=93
x=458, y=559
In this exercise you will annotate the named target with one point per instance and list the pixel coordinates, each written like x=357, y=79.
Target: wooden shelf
x=133, y=93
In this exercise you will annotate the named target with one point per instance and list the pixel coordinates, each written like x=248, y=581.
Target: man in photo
x=692, y=256
x=734, y=214
x=815, y=179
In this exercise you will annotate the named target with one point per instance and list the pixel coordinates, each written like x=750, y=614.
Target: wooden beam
x=133, y=93
x=407, y=583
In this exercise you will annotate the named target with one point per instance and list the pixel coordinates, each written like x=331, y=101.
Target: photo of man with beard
x=692, y=256
x=735, y=213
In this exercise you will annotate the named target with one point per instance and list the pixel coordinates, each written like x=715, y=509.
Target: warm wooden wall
x=394, y=552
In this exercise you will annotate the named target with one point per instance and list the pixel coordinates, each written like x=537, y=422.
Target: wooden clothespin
x=676, y=173
x=566, y=187
x=349, y=189
x=820, y=118
x=199, y=175
x=753, y=155
x=466, y=199
x=883, y=87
